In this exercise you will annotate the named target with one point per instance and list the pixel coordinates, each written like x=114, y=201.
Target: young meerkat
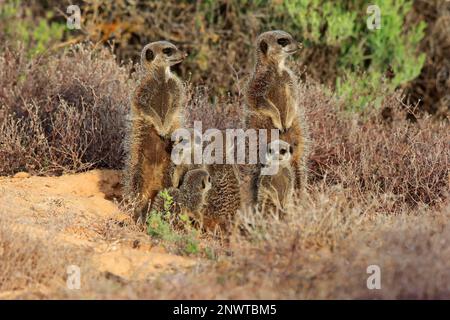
x=272, y=97
x=176, y=171
x=190, y=197
x=224, y=198
x=155, y=111
x=276, y=189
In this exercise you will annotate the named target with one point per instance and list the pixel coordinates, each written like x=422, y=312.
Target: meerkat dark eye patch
x=263, y=46
x=270, y=150
x=283, y=151
x=283, y=42
x=203, y=184
x=168, y=51
x=291, y=150
x=149, y=55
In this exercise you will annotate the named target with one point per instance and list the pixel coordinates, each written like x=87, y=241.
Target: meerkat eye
x=291, y=150
x=149, y=55
x=283, y=42
x=168, y=51
x=263, y=47
x=270, y=150
x=203, y=184
x=283, y=151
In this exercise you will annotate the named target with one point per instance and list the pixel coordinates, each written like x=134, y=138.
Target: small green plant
x=164, y=224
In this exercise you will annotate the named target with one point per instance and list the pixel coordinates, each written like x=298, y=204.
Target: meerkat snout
x=161, y=53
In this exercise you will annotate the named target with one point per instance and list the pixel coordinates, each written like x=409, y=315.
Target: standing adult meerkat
x=273, y=99
x=276, y=189
x=155, y=113
x=190, y=197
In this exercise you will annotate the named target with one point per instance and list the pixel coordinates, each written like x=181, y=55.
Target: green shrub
x=364, y=56
x=162, y=225
x=36, y=34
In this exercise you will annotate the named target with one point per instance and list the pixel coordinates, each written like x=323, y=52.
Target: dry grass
x=320, y=251
x=32, y=265
x=62, y=113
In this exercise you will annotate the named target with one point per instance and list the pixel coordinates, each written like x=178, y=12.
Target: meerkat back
x=224, y=199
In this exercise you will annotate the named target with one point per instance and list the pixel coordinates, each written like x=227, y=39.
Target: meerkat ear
x=291, y=150
x=263, y=47
x=149, y=55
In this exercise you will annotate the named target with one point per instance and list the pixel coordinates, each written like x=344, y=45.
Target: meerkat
x=276, y=189
x=190, y=198
x=273, y=99
x=176, y=172
x=155, y=111
x=224, y=199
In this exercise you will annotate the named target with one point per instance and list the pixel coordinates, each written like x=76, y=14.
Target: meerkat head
x=280, y=152
x=186, y=145
x=275, y=46
x=162, y=54
x=197, y=180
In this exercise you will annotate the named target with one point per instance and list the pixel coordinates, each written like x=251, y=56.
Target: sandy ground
x=75, y=209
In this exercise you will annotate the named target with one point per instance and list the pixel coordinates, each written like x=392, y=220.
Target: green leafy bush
x=364, y=56
x=36, y=34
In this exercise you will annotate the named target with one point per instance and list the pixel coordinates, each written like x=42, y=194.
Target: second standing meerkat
x=155, y=112
x=273, y=100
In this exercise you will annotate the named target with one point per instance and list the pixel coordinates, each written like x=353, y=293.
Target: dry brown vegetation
x=62, y=113
x=378, y=193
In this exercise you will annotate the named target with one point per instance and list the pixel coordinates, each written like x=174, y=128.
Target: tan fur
x=155, y=110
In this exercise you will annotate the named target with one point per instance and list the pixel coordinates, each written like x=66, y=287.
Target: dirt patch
x=77, y=210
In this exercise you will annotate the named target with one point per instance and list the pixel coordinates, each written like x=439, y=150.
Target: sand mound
x=77, y=209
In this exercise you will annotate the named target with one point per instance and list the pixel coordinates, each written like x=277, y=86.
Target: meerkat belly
x=279, y=96
x=161, y=102
x=156, y=160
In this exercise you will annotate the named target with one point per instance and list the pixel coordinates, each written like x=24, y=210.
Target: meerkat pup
x=224, y=199
x=190, y=197
x=273, y=99
x=186, y=147
x=155, y=111
x=276, y=186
